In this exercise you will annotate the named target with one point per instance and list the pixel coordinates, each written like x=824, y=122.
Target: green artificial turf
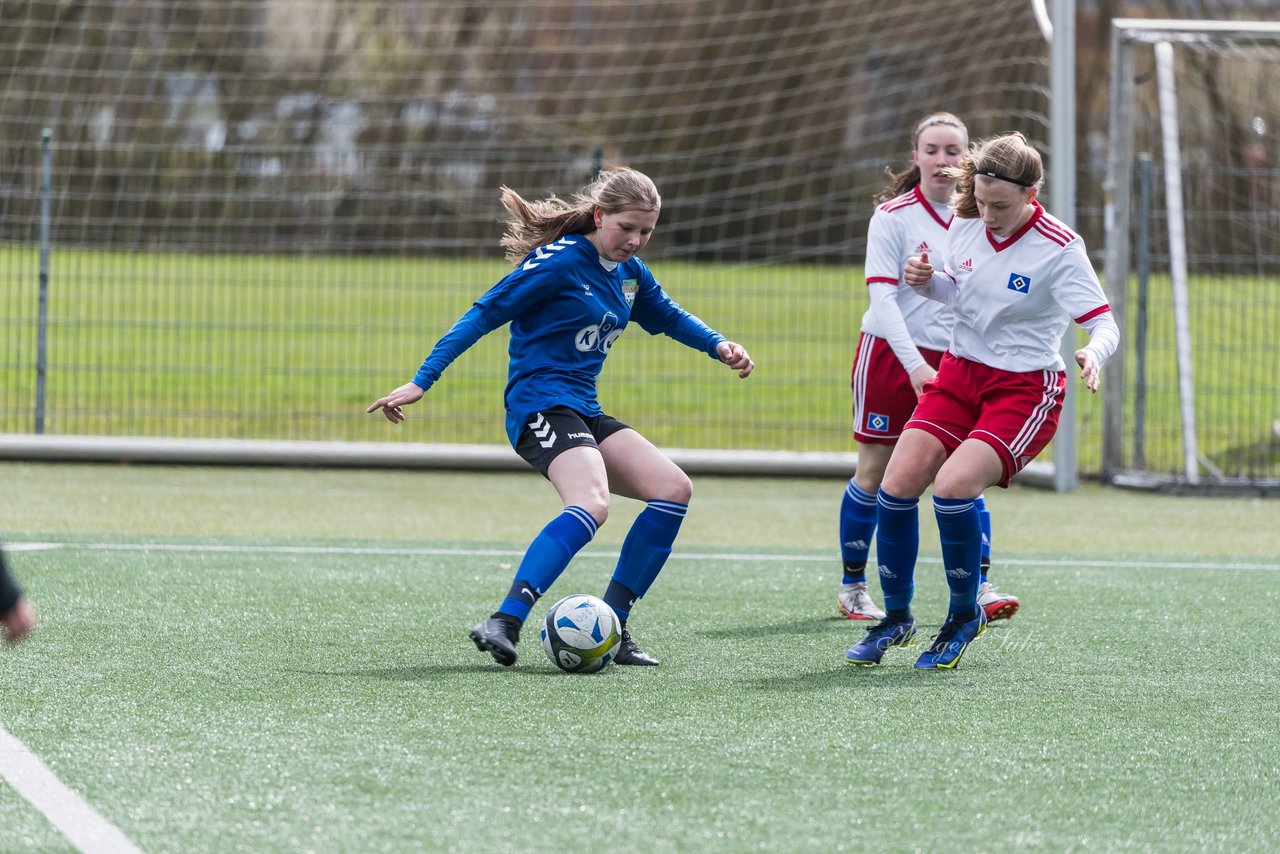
x=254, y=659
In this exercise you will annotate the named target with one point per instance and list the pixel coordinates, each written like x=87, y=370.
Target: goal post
x=1062, y=191
x=1198, y=408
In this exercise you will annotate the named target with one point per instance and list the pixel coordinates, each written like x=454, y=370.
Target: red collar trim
x=1000, y=245
x=928, y=206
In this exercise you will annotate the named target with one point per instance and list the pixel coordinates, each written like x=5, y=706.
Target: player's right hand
x=736, y=357
x=392, y=404
x=918, y=271
x=920, y=376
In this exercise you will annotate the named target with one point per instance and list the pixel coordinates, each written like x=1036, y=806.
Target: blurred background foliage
x=337, y=126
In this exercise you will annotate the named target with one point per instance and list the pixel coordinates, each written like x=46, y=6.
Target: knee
x=866, y=482
x=677, y=488
x=870, y=471
x=952, y=484
x=597, y=504
x=945, y=487
x=903, y=482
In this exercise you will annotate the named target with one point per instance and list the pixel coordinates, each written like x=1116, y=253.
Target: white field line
x=80, y=823
x=1135, y=563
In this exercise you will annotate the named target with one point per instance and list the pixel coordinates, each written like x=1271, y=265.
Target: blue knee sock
x=897, y=547
x=644, y=551
x=546, y=557
x=961, y=536
x=857, y=527
x=984, y=520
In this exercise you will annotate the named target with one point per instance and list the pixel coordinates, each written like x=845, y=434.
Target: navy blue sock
x=857, y=527
x=644, y=551
x=620, y=598
x=897, y=547
x=961, y=537
x=984, y=521
x=546, y=557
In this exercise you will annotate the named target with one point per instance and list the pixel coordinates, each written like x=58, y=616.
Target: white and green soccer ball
x=580, y=634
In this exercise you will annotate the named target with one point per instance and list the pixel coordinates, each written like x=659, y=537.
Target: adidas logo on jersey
x=923, y=248
x=966, y=266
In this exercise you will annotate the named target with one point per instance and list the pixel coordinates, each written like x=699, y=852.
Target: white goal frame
x=1127, y=35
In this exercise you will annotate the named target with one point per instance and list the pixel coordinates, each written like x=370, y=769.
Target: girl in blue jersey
x=576, y=285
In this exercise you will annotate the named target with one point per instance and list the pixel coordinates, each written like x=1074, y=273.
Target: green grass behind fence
x=255, y=346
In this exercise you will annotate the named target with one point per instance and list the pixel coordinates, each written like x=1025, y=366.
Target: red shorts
x=882, y=395
x=1015, y=413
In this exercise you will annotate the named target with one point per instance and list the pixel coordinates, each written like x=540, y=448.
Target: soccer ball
x=580, y=634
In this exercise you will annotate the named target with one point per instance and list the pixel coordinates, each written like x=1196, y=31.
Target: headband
x=1000, y=177
x=949, y=121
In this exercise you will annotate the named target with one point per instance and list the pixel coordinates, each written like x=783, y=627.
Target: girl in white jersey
x=1015, y=278
x=899, y=349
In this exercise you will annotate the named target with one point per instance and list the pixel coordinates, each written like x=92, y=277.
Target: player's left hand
x=918, y=272
x=1090, y=370
x=392, y=405
x=735, y=356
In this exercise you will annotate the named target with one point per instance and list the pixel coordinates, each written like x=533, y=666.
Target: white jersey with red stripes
x=1015, y=298
x=901, y=227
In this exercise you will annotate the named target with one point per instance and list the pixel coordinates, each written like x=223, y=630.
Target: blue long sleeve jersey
x=566, y=306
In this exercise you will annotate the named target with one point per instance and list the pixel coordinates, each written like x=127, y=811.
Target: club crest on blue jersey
x=877, y=423
x=629, y=289
x=1019, y=283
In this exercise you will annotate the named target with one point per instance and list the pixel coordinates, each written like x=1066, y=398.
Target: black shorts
x=550, y=433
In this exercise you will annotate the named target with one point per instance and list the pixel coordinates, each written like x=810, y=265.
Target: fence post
x=1140, y=322
x=42, y=322
x=1062, y=190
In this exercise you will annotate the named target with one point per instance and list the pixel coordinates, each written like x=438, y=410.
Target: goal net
x=264, y=212
x=1193, y=255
